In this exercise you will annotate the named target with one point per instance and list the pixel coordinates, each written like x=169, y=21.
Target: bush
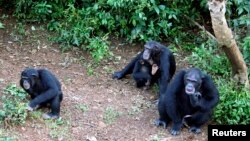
x=234, y=105
x=210, y=60
x=13, y=110
x=79, y=23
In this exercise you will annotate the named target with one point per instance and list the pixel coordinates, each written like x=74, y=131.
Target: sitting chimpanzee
x=189, y=100
x=43, y=88
x=161, y=60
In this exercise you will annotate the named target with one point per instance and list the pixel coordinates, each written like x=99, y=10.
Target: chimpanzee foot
x=159, y=122
x=174, y=132
x=176, y=129
x=50, y=116
x=156, y=102
x=195, y=130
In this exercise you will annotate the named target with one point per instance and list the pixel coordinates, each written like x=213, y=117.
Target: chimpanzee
x=190, y=99
x=160, y=58
x=44, y=89
x=143, y=73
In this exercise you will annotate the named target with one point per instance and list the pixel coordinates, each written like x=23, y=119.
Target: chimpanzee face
x=151, y=50
x=192, y=81
x=26, y=84
x=28, y=78
x=147, y=52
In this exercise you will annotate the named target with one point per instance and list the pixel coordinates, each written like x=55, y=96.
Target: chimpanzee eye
x=191, y=80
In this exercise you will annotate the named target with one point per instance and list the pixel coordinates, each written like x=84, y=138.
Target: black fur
x=177, y=106
x=142, y=73
x=161, y=56
x=44, y=89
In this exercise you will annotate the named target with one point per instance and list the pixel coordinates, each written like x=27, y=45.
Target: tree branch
x=201, y=27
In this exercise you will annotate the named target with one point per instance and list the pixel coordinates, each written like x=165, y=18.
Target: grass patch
x=83, y=107
x=59, y=129
x=4, y=136
x=110, y=115
x=139, y=103
x=13, y=110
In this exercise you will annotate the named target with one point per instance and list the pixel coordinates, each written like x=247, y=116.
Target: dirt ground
x=95, y=107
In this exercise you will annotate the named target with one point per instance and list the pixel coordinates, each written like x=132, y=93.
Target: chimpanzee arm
x=44, y=97
x=173, y=95
x=172, y=65
x=138, y=73
x=137, y=67
x=210, y=94
x=50, y=91
x=128, y=69
x=165, y=74
x=174, y=100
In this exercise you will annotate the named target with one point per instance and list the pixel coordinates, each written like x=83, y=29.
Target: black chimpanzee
x=43, y=88
x=143, y=73
x=161, y=60
x=190, y=99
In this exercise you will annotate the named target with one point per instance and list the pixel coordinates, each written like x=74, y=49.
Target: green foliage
x=58, y=128
x=234, y=105
x=1, y=25
x=86, y=24
x=84, y=108
x=13, y=110
x=210, y=60
x=82, y=24
x=110, y=115
x=241, y=17
x=20, y=29
x=40, y=10
x=246, y=49
x=5, y=135
x=98, y=48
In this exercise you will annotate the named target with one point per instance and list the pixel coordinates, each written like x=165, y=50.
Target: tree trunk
x=226, y=40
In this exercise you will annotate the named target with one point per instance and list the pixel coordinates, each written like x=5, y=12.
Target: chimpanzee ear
x=203, y=75
x=157, y=50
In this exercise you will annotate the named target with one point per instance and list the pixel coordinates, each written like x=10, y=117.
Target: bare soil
x=87, y=98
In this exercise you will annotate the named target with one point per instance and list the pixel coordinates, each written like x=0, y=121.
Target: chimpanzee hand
x=195, y=99
x=29, y=108
x=117, y=75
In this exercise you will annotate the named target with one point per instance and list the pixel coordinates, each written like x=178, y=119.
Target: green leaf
x=157, y=10
x=240, y=10
x=162, y=7
x=76, y=41
x=134, y=22
x=152, y=1
x=1, y=25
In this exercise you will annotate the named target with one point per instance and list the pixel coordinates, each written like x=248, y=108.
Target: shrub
x=13, y=110
x=210, y=60
x=234, y=105
x=246, y=49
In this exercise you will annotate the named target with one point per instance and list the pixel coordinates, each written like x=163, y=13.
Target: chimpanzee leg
x=55, y=108
x=198, y=119
x=164, y=118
